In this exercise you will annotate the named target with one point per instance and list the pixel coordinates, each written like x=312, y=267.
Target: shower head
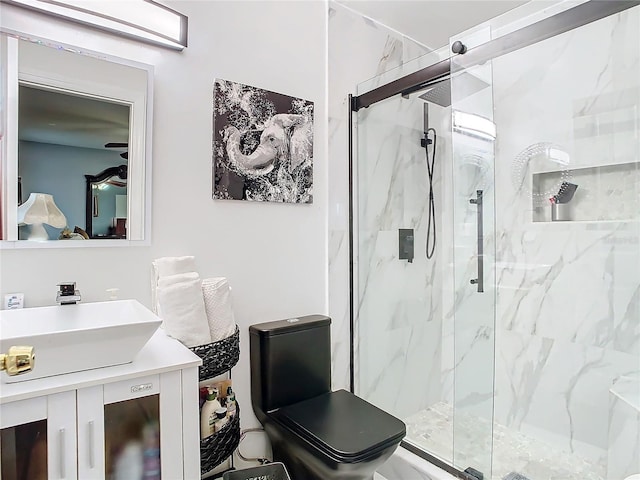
x=439, y=93
x=465, y=85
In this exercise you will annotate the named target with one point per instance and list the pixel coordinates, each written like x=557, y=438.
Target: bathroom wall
x=274, y=255
x=405, y=355
x=399, y=329
x=623, y=456
x=358, y=48
x=400, y=302
x=568, y=302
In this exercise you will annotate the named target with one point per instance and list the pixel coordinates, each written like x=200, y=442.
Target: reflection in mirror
x=106, y=203
x=62, y=141
x=68, y=114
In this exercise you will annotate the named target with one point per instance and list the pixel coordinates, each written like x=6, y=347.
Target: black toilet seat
x=342, y=425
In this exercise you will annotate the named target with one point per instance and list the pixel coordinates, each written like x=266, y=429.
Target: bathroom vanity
x=112, y=422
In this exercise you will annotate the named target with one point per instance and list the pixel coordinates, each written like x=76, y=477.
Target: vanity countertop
x=160, y=354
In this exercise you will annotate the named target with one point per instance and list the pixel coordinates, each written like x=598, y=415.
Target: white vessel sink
x=71, y=338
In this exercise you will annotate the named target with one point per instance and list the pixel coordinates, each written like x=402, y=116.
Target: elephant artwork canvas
x=262, y=145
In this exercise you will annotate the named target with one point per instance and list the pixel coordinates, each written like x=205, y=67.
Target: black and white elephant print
x=263, y=145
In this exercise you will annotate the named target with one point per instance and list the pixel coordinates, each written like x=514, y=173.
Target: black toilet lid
x=343, y=424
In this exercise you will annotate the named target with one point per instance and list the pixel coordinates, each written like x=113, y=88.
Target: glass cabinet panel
x=24, y=451
x=132, y=439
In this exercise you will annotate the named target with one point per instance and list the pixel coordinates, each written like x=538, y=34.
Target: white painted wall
x=275, y=256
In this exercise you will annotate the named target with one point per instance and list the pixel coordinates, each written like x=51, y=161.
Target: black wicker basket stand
x=217, y=358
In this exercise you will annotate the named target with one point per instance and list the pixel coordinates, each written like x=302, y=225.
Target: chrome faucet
x=67, y=294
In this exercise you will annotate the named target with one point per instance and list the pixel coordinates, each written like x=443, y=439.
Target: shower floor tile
x=432, y=429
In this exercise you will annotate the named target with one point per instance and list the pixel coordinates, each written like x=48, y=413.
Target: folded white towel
x=167, y=266
x=178, y=278
x=172, y=279
x=217, y=301
x=182, y=309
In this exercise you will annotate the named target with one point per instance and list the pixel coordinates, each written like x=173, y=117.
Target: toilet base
x=303, y=465
x=300, y=471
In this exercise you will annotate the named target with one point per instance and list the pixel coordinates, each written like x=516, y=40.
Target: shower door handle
x=480, y=279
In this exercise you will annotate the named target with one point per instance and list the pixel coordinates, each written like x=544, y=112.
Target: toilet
x=318, y=434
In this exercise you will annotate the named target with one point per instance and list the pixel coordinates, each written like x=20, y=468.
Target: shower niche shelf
x=605, y=193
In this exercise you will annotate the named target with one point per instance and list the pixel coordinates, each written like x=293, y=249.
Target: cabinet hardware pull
x=92, y=460
x=63, y=473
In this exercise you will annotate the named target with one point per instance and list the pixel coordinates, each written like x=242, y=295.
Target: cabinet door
x=91, y=433
x=38, y=438
x=131, y=429
x=190, y=423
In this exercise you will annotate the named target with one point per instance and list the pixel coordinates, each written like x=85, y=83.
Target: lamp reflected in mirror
x=40, y=209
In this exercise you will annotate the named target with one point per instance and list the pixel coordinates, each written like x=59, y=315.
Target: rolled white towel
x=167, y=266
x=217, y=301
x=182, y=309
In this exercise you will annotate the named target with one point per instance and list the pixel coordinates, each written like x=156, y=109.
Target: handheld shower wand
x=430, y=246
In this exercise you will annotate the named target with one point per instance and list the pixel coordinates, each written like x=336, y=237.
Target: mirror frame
x=43, y=75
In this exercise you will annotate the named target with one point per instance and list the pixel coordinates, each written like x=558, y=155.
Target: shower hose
x=430, y=247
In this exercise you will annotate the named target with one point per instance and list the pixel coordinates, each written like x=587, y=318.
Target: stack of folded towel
x=194, y=311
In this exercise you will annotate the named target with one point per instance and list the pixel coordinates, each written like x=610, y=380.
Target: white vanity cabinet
x=118, y=423
x=38, y=437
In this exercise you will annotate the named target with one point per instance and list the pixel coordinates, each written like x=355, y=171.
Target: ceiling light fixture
x=144, y=20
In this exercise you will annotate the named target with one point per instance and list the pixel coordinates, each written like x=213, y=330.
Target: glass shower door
x=402, y=365
x=552, y=143
x=473, y=139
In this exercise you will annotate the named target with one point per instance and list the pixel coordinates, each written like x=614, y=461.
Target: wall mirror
x=76, y=133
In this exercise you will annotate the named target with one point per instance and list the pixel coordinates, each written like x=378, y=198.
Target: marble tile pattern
x=624, y=435
x=568, y=294
x=358, y=49
x=400, y=304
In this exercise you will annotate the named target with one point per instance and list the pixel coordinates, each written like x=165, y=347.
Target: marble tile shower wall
x=624, y=437
x=400, y=303
x=568, y=301
x=358, y=49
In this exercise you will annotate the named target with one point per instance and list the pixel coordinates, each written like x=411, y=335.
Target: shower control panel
x=405, y=244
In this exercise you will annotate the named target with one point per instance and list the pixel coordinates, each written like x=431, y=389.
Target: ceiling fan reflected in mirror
x=124, y=155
